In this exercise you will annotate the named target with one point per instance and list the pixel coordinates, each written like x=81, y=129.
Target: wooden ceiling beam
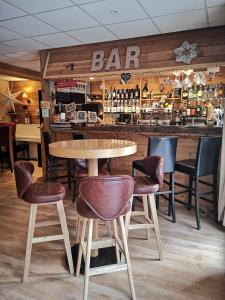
x=10, y=70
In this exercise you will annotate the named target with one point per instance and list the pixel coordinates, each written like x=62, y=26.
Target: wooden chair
x=38, y=194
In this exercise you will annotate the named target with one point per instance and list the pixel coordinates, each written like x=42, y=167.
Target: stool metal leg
x=127, y=257
x=151, y=198
x=172, y=201
x=33, y=213
x=190, y=192
x=215, y=197
x=197, y=207
x=65, y=232
x=87, y=261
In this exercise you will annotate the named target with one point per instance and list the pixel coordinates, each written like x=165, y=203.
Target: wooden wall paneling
x=156, y=52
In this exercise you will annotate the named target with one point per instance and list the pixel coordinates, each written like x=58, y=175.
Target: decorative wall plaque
x=125, y=77
x=186, y=52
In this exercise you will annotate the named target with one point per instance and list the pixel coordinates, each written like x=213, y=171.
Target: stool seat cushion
x=186, y=166
x=145, y=185
x=44, y=192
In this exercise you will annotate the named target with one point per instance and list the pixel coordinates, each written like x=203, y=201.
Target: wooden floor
x=193, y=265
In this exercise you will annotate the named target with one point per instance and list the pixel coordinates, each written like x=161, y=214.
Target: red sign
x=66, y=83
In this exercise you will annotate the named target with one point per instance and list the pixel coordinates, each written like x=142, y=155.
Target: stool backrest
x=23, y=175
x=107, y=196
x=207, y=157
x=166, y=147
x=154, y=168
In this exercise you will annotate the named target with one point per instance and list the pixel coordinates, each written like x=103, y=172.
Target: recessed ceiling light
x=114, y=11
x=92, y=78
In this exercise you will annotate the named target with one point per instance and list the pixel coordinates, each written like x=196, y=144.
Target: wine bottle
x=145, y=91
x=137, y=92
x=114, y=94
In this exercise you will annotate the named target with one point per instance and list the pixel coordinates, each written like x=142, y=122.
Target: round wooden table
x=93, y=149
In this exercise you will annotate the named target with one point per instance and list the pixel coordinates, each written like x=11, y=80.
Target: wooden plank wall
x=156, y=52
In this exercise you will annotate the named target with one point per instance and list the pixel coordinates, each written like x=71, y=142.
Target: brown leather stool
x=146, y=187
x=105, y=198
x=39, y=194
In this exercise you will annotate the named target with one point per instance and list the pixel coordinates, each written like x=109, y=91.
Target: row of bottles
x=206, y=92
x=122, y=106
x=122, y=94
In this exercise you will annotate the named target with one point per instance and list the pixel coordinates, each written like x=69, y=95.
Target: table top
x=28, y=133
x=93, y=148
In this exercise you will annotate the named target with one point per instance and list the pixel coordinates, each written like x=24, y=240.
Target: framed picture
x=81, y=116
x=92, y=117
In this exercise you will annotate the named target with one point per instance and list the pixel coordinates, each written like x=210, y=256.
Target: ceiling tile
x=26, y=44
x=93, y=35
x=182, y=21
x=6, y=35
x=84, y=1
x=57, y=40
x=34, y=6
x=211, y=3
x=24, y=55
x=8, y=11
x=4, y=49
x=28, y=26
x=133, y=29
x=109, y=12
x=159, y=8
x=68, y=19
x=216, y=16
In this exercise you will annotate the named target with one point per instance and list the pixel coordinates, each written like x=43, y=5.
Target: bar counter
x=187, y=142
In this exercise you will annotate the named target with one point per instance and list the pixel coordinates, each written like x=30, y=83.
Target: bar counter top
x=171, y=129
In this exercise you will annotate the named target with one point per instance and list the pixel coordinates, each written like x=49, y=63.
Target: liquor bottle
x=133, y=105
x=106, y=106
x=221, y=90
x=125, y=106
x=118, y=95
x=114, y=94
x=198, y=110
x=204, y=111
x=131, y=94
x=106, y=95
x=194, y=92
x=188, y=110
x=193, y=111
x=137, y=92
x=129, y=106
x=190, y=94
x=199, y=92
x=145, y=91
x=185, y=93
x=118, y=106
x=137, y=106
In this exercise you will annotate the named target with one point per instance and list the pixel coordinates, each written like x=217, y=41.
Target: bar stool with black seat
x=205, y=164
x=106, y=198
x=54, y=163
x=38, y=194
x=165, y=146
x=146, y=187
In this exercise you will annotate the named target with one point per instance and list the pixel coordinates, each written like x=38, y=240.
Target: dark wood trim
x=10, y=70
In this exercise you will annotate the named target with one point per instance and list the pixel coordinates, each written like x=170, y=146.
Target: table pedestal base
x=106, y=256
